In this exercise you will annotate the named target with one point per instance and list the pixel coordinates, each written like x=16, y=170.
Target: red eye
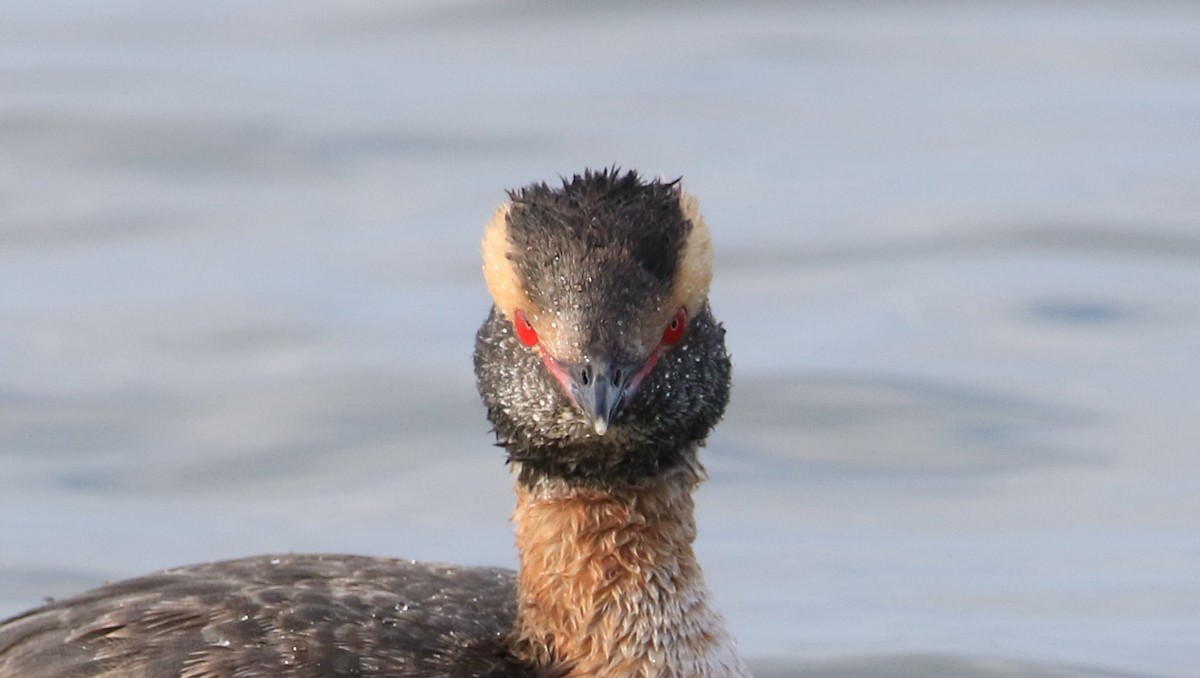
x=525, y=331
x=676, y=328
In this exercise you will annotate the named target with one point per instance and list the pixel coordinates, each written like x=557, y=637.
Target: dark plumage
x=602, y=369
x=680, y=405
x=294, y=616
x=604, y=240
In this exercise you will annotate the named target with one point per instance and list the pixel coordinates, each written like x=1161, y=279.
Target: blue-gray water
x=958, y=255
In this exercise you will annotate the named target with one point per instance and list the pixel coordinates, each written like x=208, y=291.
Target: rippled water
x=958, y=253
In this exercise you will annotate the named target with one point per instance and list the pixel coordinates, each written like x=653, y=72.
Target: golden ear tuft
x=694, y=273
x=502, y=280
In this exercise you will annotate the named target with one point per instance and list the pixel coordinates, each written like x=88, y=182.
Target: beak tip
x=601, y=426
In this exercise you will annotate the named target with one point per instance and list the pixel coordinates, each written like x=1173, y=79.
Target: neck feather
x=609, y=584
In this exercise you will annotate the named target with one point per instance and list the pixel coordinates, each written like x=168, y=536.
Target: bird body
x=602, y=370
x=282, y=616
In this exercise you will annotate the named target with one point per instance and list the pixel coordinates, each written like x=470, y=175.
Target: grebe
x=603, y=370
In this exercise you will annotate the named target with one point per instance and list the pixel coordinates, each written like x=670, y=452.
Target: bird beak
x=600, y=387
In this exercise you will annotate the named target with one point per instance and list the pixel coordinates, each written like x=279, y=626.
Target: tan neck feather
x=609, y=583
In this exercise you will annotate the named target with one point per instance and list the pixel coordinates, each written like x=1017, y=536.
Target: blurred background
x=958, y=256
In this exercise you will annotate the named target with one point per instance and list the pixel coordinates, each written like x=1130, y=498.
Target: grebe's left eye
x=676, y=328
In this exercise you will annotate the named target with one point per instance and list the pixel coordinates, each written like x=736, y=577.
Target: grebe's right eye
x=525, y=331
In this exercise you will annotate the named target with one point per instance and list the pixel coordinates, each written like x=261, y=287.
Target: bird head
x=600, y=360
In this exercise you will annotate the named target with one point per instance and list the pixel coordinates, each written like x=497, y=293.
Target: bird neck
x=609, y=584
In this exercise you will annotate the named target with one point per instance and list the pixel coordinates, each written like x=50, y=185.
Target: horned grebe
x=603, y=371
